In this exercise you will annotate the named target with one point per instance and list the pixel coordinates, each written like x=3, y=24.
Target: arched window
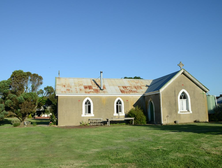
x=183, y=102
x=87, y=107
x=119, y=107
x=184, y=105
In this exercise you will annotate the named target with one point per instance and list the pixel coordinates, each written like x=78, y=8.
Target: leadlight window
x=118, y=106
x=184, y=106
x=87, y=107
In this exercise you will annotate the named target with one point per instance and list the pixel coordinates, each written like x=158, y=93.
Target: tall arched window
x=119, y=107
x=87, y=107
x=184, y=105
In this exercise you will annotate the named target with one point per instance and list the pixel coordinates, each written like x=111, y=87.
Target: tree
x=34, y=81
x=4, y=89
x=135, y=77
x=40, y=92
x=27, y=105
x=48, y=90
x=52, y=102
x=52, y=98
x=18, y=81
x=46, y=96
x=20, y=94
x=2, y=111
x=41, y=101
x=48, y=99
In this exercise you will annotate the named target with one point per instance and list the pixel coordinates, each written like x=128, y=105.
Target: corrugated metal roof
x=219, y=101
x=82, y=86
x=158, y=83
x=78, y=86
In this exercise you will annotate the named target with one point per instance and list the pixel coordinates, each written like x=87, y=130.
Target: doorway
x=151, y=112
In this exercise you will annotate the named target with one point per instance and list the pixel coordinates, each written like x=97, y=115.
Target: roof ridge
x=99, y=78
x=168, y=74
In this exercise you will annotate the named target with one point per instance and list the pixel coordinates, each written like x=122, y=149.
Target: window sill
x=87, y=115
x=184, y=112
x=121, y=114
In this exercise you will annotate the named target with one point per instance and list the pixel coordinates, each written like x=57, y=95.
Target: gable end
x=189, y=76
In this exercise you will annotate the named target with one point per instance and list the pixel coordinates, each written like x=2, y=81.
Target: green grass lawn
x=190, y=145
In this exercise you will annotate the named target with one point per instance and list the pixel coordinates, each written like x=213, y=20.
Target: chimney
x=101, y=80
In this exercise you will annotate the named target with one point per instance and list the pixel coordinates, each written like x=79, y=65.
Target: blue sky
x=145, y=38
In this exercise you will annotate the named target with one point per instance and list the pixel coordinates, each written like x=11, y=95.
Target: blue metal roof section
x=158, y=83
x=219, y=101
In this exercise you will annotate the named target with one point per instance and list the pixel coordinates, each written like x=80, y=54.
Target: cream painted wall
x=70, y=108
x=170, y=102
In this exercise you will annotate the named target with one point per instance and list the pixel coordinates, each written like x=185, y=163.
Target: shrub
x=47, y=111
x=217, y=115
x=139, y=117
x=34, y=123
x=15, y=123
x=30, y=116
x=53, y=119
x=84, y=123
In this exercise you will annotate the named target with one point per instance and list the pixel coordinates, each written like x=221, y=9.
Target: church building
x=175, y=98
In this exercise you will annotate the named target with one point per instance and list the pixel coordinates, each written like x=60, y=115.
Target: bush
x=139, y=117
x=84, y=123
x=34, y=123
x=30, y=116
x=47, y=111
x=217, y=115
x=15, y=123
x=53, y=119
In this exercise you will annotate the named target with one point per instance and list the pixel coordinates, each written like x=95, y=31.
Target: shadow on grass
x=37, y=121
x=200, y=128
x=41, y=121
x=5, y=121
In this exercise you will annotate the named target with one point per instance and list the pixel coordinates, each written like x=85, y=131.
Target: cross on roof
x=180, y=65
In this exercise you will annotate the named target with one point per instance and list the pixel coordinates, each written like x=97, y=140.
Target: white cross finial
x=180, y=65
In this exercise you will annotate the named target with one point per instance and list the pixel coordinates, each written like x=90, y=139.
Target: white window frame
x=121, y=113
x=83, y=108
x=188, y=101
